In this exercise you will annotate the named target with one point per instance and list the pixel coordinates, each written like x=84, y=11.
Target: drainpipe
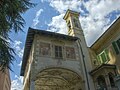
x=84, y=64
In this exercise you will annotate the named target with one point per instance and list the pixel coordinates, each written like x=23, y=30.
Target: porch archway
x=58, y=79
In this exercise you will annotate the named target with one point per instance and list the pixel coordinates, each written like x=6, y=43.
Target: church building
x=54, y=61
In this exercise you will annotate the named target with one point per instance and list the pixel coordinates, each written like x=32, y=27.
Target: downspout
x=84, y=64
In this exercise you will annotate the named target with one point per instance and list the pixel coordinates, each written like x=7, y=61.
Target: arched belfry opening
x=58, y=79
x=73, y=23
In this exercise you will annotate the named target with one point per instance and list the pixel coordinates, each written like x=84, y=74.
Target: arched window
x=69, y=25
x=111, y=78
x=101, y=83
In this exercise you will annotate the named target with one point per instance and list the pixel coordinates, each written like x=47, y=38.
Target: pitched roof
x=106, y=34
x=30, y=38
x=70, y=11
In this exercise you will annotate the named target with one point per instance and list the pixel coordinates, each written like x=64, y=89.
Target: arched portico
x=58, y=79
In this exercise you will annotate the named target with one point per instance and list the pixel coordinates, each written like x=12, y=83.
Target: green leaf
x=10, y=20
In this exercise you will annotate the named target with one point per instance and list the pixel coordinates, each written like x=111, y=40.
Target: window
x=69, y=31
x=103, y=57
x=58, y=52
x=69, y=26
x=70, y=52
x=44, y=49
x=116, y=46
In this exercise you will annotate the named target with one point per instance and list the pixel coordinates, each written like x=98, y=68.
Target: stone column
x=32, y=85
x=107, y=82
x=96, y=84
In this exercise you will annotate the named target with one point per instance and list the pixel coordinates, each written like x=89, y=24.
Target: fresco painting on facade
x=44, y=49
x=57, y=79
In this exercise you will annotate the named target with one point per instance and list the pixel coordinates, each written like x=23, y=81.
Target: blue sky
x=95, y=17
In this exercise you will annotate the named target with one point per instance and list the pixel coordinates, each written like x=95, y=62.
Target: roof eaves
x=105, y=32
x=102, y=66
x=29, y=40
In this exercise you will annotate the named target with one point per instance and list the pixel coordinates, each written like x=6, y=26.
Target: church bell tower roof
x=68, y=12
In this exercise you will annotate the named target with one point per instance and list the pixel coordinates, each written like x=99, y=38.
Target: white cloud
x=62, y=5
x=36, y=19
x=94, y=23
x=58, y=25
x=93, y=29
x=20, y=63
x=18, y=49
x=16, y=84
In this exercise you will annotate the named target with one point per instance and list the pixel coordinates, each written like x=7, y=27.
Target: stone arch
x=58, y=79
x=101, y=83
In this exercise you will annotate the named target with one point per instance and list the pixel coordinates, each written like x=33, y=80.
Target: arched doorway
x=101, y=83
x=58, y=79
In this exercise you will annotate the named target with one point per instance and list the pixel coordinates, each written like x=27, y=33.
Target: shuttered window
x=116, y=47
x=118, y=43
x=98, y=59
x=103, y=57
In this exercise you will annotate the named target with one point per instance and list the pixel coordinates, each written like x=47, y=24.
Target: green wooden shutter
x=103, y=57
x=107, y=54
x=115, y=47
x=98, y=59
x=118, y=43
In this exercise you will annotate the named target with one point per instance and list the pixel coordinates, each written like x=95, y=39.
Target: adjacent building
x=5, y=82
x=54, y=61
x=105, y=58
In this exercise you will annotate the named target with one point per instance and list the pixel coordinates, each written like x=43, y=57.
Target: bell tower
x=73, y=24
x=75, y=30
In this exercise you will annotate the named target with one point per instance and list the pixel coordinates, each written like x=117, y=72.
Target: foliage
x=10, y=20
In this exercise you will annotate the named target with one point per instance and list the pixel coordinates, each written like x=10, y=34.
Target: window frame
x=69, y=24
x=106, y=56
x=76, y=22
x=59, y=52
x=116, y=46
